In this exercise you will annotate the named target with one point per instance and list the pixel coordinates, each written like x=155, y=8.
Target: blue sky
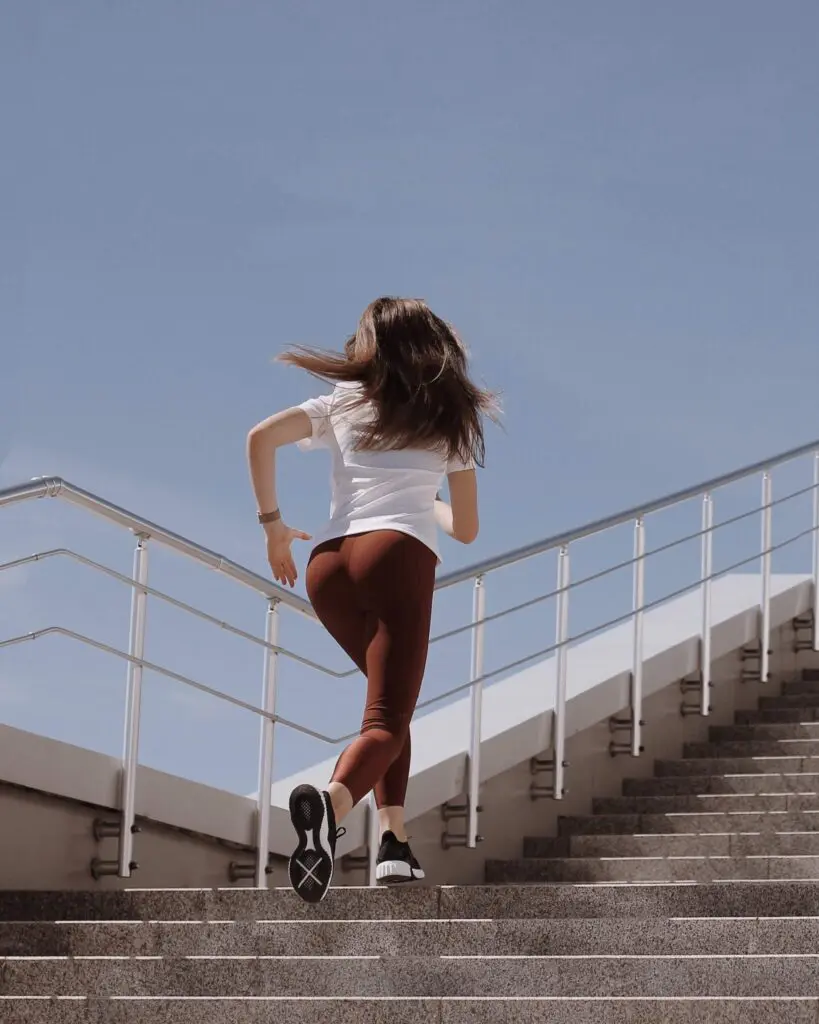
x=614, y=203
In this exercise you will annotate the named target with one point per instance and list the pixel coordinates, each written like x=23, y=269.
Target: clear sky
x=615, y=203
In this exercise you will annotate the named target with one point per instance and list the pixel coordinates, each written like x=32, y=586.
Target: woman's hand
x=279, y=540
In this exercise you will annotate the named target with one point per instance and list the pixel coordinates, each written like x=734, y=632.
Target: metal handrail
x=41, y=556
x=567, y=537
x=478, y=675
x=56, y=487
x=277, y=597
x=447, y=635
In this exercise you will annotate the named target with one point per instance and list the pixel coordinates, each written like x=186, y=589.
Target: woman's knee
x=395, y=728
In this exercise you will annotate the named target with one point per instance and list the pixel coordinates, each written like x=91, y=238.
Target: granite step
x=765, y=783
x=512, y=902
x=593, y=870
x=720, y=803
x=735, y=766
x=753, y=748
x=764, y=731
x=411, y=977
x=581, y=936
x=801, y=686
x=789, y=700
x=732, y=844
x=783, y=716
x=511, y=1010
x=688, y=823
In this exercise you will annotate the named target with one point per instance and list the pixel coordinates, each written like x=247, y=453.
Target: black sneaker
x=311, y=866
x=396, y=862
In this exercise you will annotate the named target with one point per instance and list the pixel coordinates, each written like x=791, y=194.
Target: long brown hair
x=413, y=368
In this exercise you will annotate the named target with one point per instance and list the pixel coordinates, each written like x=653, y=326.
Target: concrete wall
x=48, y=840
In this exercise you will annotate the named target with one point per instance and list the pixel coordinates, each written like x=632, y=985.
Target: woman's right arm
x=459, y=519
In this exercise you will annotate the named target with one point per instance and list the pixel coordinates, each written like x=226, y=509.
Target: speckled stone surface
x=225, y=1011
x=216, y=905
x=660, y=1011
x=689, y=785
x=720, y=803
x=734, y=765
x=652, y=846
x=764, y=731
x=763, y=715
x=420, y=976
x=426, y=1011
x=786, y=935
x=546, y=846
x=722, y=899
x=733, y=845
x=753, y=748
x=690, y=823
x=791, y=700
x=411, y=938
x=801, y=686
x=629, y=869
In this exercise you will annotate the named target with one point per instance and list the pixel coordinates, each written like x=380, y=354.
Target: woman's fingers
x=281, y=561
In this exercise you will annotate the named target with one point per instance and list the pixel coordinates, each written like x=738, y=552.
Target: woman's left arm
x=264, y=439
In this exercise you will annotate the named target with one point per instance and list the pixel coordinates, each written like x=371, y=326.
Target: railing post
x=705, y=589
x=374, y=840
x=562, y=663
x=133, y=709
x=476, y=709
x=637, y=665
x=266, y=737
x=767, y=543
x=816, y=551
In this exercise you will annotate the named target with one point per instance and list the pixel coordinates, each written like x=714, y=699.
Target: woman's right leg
x=394, y=578
x=352, y=585
x=333, y=595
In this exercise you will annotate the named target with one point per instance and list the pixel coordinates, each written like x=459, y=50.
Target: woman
x=403, y=415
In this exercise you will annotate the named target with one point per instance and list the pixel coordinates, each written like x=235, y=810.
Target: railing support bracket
x=544, y=789
x=457, y=812
x=804, y=624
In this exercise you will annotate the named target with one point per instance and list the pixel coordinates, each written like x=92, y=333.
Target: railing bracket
x=457, y=812
x=238, y=871
x=101, y=868
x=694, y=686
x=803, y=624
x=752, y=653
x=544, y=766
x=106, y=830
x=619, y=724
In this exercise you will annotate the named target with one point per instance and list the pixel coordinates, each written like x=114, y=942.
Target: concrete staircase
x=698, y=902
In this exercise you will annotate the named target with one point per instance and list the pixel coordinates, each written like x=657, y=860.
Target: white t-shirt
x=375, y=490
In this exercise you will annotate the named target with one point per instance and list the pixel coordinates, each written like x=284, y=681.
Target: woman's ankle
x=391, y=819
x=341, y=799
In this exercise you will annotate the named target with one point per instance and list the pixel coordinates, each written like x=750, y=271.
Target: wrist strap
x=269, y=517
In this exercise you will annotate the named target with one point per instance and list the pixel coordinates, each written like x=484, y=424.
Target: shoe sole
x=397, y=872
x=311, y=865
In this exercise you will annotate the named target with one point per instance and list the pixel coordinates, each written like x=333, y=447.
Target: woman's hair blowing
x=412, y=367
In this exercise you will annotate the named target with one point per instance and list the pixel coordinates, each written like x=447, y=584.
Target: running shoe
x=311, y=866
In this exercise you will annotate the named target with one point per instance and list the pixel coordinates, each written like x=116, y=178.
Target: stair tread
x=566, y=975
x=437, y=1010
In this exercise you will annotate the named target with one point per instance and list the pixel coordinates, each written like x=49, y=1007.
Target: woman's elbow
x=467, y=534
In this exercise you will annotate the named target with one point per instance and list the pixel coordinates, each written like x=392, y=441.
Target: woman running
x=403, y=415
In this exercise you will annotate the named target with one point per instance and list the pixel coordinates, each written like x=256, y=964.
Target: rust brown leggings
x=373, y=593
